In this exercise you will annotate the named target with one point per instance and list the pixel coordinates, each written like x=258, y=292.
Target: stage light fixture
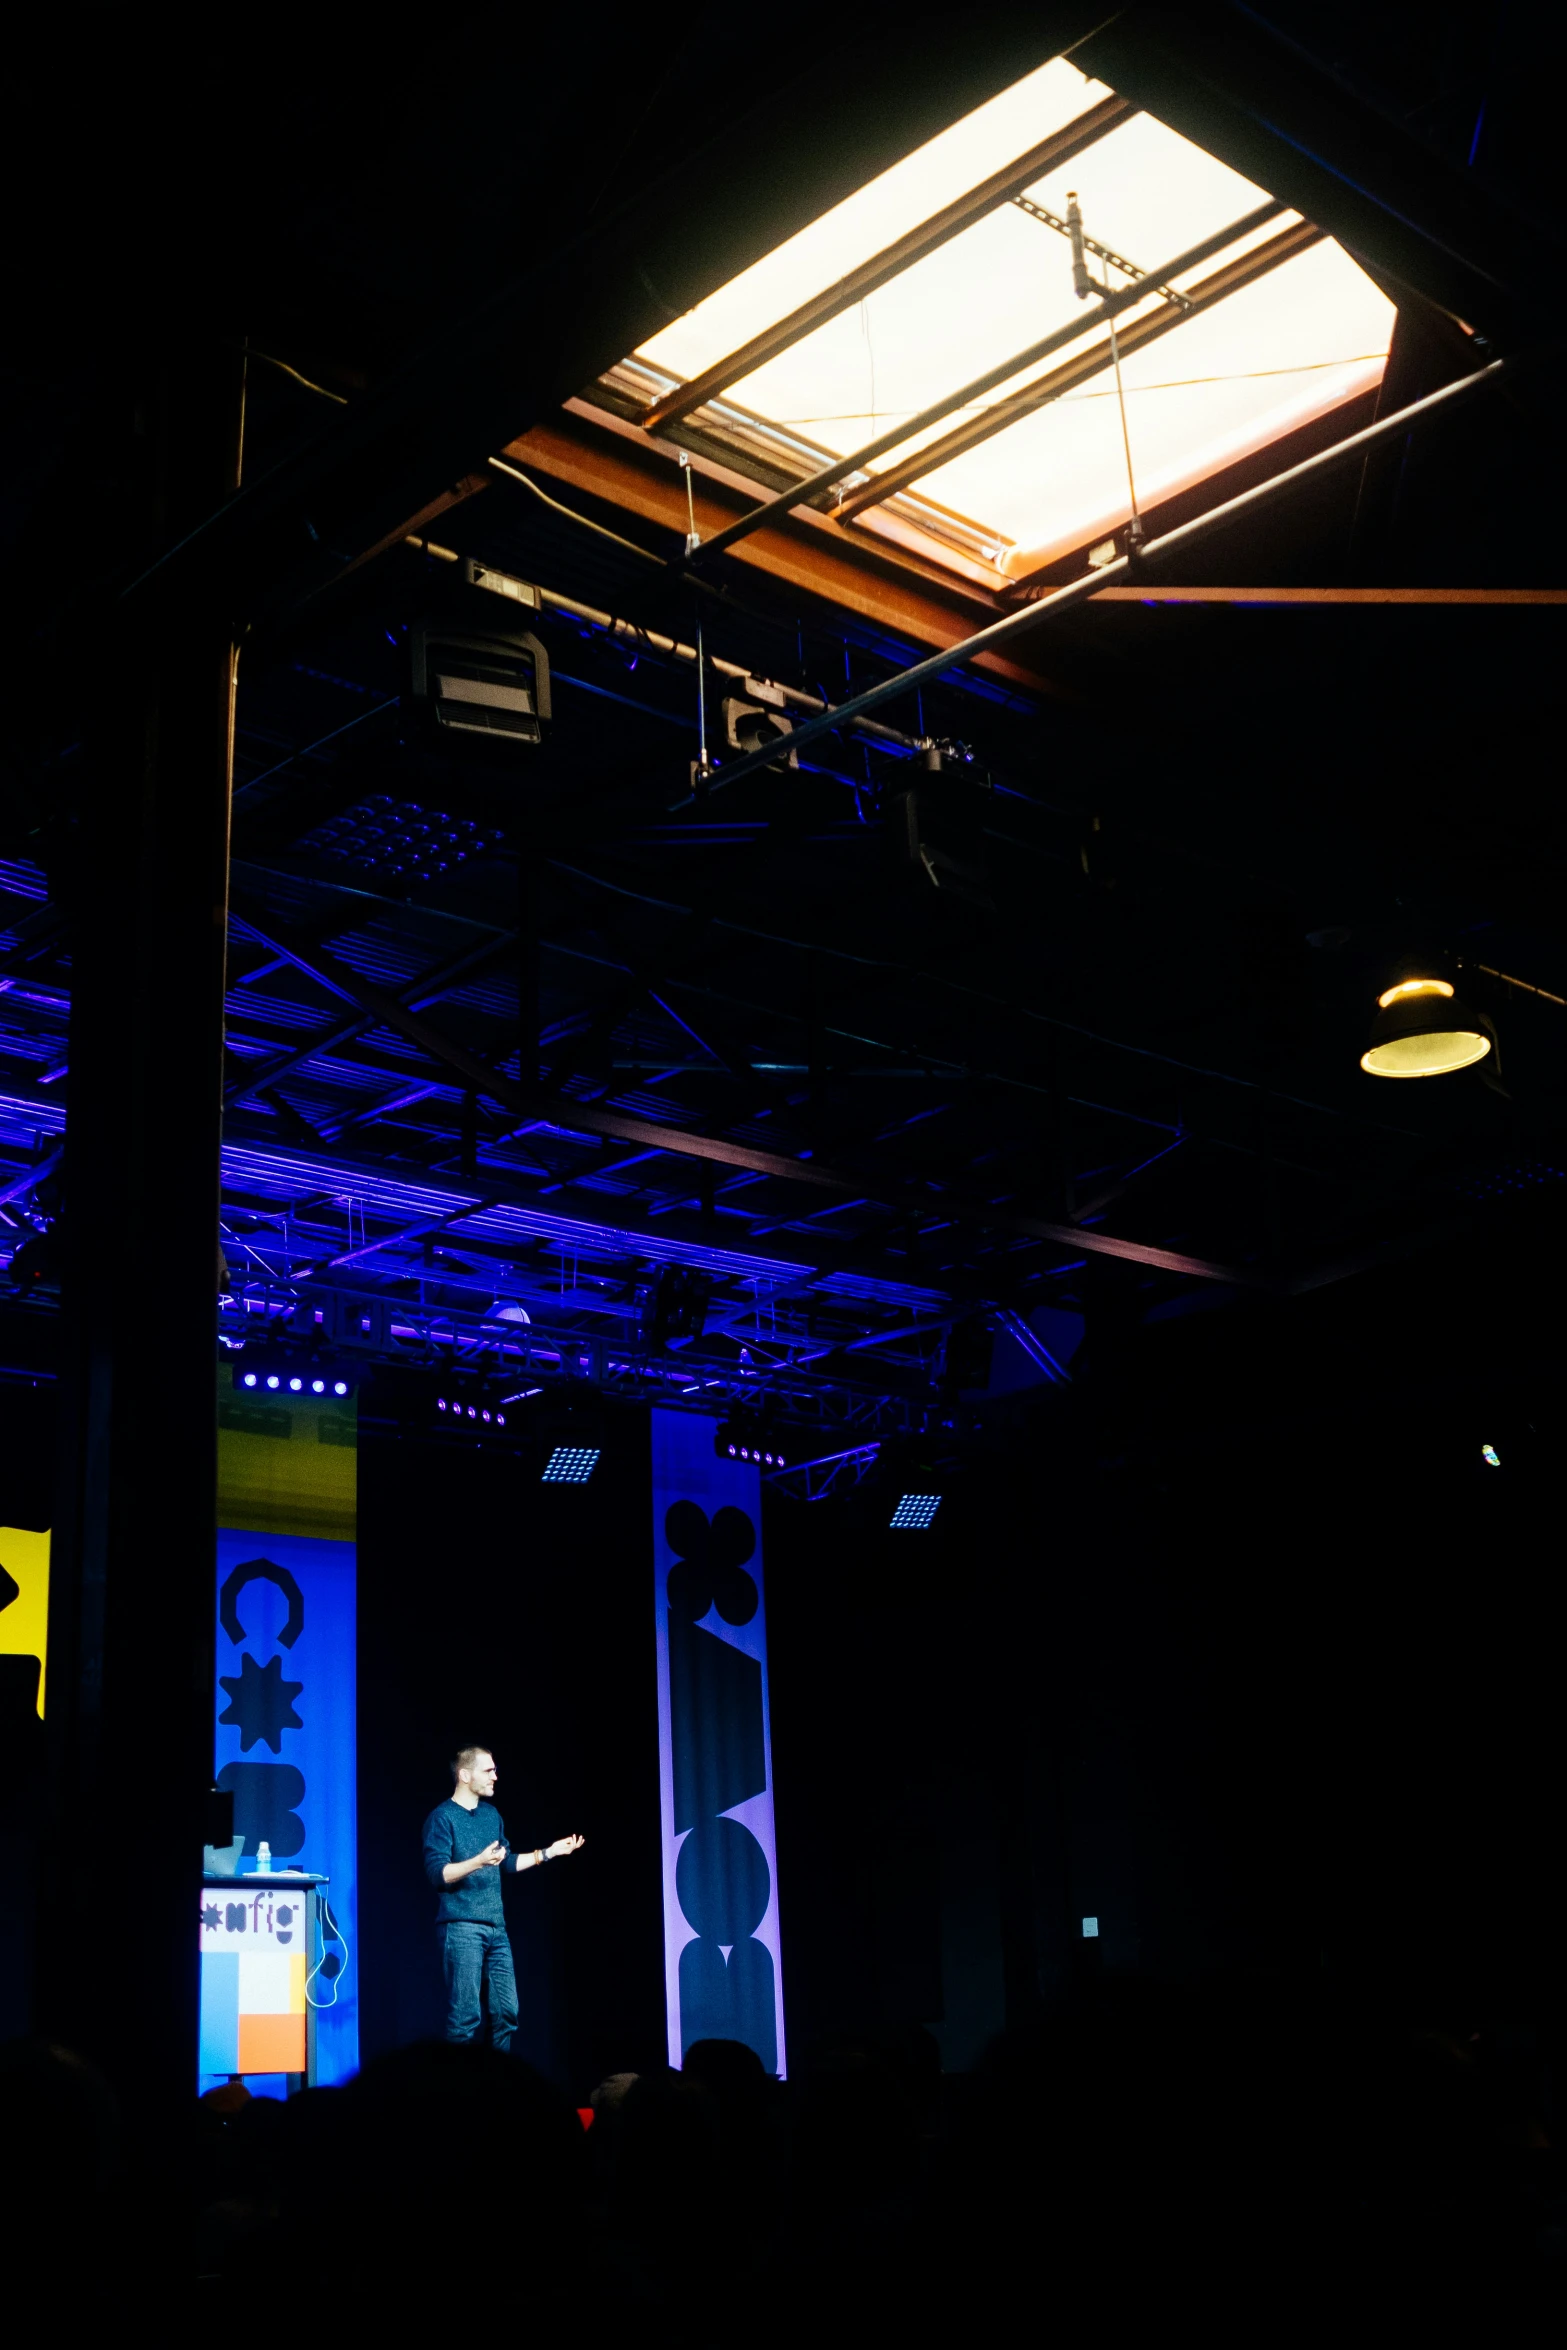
x=915, y=1510
x=1488, y=1452
x=275, y=1366
x=754, y=723
x=390, y=844
x=485, y=684
x=1421, y=1029
x=482, y=1409
x=570, y=1464
x=744, y=1437
x=674, y=1310
x=936, y=826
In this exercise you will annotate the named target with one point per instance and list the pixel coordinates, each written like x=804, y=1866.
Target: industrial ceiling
x=958, y=1036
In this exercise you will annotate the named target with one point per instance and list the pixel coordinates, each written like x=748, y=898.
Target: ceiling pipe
x=1081, y=591
x=800, y=493
x=671, y=648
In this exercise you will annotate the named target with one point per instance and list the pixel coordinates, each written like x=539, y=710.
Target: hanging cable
x=1134, y=528
x=701, y=771
x=693, y=535
x=1083, y=285
x=701, y=702
x=267, y=358
x=500, y=466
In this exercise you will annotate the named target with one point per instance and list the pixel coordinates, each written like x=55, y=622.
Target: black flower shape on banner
x=261, y=1702
x=710, y=1563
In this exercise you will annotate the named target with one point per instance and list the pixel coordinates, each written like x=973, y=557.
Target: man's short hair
x=465, y=1758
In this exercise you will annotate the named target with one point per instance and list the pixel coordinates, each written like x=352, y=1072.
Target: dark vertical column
x=130, y=1637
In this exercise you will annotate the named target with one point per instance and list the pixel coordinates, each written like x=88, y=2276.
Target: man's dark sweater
x=452, y=1832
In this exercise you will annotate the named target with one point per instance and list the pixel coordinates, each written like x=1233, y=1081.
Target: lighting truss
x=832, y=1473
x=595, y=1339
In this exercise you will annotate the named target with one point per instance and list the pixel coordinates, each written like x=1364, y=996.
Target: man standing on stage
x=464, y=1853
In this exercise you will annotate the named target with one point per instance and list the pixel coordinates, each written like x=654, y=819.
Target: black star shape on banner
x=211, y=1915
x=261, y=1703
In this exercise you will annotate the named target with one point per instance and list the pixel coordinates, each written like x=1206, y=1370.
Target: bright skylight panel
x=1148, y=194
x=1309, y=335
x=971, y=305
x=1312, y=332
x=996, y=289
x=865, y=223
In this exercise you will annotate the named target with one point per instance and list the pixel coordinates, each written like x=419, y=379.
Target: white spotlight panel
x=571, y=1464
x=915, y=1509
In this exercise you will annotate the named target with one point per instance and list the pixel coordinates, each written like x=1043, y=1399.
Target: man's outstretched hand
x=491, y=1857
x=564, y=1845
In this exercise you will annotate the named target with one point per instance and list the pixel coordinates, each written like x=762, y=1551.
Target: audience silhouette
x=1249, y=2154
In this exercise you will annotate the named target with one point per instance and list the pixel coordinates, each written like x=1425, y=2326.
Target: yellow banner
x=287, y=1464
x=24, y=1617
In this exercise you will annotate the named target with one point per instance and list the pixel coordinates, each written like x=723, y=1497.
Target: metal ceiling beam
x=591, y=451
x=1052, y=154
x=1081, y=591
x=402, y=1097
x=417, y=996
x=421, y=1230
x=640, y=1233
x=1230, y=279
x=1303, y=596
x=1257, y=100
x=991, y=1003
x=910, y=1200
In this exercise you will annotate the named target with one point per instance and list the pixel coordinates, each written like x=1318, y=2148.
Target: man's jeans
x=470, y=1955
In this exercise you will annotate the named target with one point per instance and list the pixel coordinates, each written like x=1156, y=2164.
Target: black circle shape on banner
x=722, y=1881
x=710, y=1563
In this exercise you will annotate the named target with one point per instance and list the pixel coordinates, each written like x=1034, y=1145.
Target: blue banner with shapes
x=285, y=1743
x=723, y=1974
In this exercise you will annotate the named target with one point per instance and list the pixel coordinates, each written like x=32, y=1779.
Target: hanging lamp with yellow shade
x=1422, y=1029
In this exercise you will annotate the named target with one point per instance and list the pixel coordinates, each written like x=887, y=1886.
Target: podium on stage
x=261, y=1944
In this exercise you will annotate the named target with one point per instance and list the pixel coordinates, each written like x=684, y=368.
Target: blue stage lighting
x=488, y=1413
x=744, y=1437
x=571, y=1464
x=299, y=1372
x=1090, y=1929
x=915, y=1509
